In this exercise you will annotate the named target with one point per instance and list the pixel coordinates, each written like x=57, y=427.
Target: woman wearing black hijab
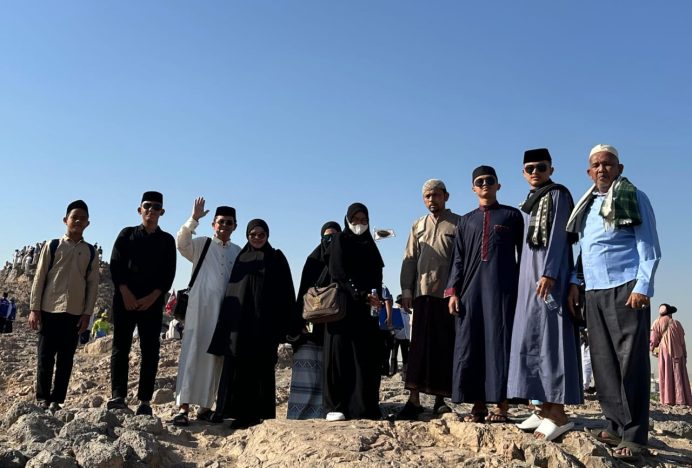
x=254, y=319
x=305, y=400
x=352, y=345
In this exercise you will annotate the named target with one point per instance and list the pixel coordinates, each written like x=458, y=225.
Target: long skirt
x=305, y=400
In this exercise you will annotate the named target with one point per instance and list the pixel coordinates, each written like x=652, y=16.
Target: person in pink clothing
x=668, y=344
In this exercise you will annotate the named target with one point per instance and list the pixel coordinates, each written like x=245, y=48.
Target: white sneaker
x=335, y=416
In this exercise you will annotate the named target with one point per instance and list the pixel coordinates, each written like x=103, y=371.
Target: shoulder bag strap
x=199, y=263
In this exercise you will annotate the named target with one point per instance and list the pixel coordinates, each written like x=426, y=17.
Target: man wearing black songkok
x=62, y=301
x=482, y=288
x=143, y=268
x=212, y=258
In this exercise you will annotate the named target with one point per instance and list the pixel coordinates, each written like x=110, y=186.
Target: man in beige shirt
x=62, y=301
x=423, y=278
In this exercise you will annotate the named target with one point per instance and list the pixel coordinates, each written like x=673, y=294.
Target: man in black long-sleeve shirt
x=142, y=268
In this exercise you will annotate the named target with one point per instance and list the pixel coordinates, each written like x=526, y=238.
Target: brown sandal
x=497, y=417
x=478, y=417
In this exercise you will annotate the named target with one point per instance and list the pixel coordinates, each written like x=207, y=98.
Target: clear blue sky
x=291, y=110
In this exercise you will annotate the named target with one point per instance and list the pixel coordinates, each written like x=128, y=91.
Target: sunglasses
x=225, y=222
x=152, y=206
x=257, y=235
x=481, y=181
x=541, y=167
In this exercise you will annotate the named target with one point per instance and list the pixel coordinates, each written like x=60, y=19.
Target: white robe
x=198, y=371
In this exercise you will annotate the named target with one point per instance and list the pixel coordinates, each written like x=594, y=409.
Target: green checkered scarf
x=619, y=209
x=539, y=206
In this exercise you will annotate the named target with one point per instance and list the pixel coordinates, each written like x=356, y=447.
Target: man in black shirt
x=142, y=267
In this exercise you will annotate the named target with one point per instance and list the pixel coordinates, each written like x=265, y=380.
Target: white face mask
x=358, y=229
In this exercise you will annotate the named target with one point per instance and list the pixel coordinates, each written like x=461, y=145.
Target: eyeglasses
x=225, y=222
x=541, y=167
x=152, y=206
x=481, y=181
x=257, y=235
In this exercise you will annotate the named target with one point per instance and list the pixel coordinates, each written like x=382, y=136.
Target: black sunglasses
x=481, y=181
x=152, y=206
x=225, y=222
x=541, y=167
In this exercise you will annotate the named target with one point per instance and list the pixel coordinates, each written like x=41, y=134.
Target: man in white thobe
x=198, y=371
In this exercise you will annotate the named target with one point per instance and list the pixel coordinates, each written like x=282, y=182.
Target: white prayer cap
x=433, y=184
x=607, y=148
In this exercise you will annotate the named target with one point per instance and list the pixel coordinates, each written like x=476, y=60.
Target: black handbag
x=182, y=296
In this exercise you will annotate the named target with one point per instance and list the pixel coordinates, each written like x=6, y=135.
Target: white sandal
x=552, y=431
x=531, y=423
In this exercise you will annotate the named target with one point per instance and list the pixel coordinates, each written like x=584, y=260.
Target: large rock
x=139, y=446
x=12, y=459
x=81, y=426
x=144, y=423
x=17, y=410
x=98, y=454
x=46, y=459
x=162, y=396
x=677, y=429
x=99, y=346
x=34, y=427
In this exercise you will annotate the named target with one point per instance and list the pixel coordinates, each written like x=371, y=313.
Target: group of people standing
x=500, y=287
x=494, y=294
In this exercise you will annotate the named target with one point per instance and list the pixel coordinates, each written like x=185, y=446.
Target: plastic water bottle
x=550, y=301
x=374, y=310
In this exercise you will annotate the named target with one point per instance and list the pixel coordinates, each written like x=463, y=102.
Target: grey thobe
x=544, y=358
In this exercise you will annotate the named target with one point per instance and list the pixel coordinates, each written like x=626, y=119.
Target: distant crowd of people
x=495, y=295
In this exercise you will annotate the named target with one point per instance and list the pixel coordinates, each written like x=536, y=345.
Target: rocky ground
x=84, y=433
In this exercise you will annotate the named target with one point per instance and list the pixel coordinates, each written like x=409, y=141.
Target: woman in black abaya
x=254, y=319
x=352, y=345
x=306, y=400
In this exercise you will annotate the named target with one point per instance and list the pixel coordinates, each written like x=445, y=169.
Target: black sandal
x=637, y=452
x=181, y=419
x=609, y=439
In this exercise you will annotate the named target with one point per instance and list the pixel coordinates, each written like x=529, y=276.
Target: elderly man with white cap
x=619, y=253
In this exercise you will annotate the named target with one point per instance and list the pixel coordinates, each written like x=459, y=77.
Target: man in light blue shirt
x=619, y=253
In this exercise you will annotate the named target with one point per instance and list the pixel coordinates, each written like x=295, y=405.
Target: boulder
x=143, y=423
x=34, y=427
x=139, y=446
x=46, y=459
x=98, y=454
x=99, y=346
x=12, y=459
x=162, y=396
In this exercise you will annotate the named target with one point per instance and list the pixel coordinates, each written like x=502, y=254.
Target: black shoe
x=393, y=368
x=55, y=406
x=144, y=409
x=441, y=408
x=116, y=403
x=210, y=416
x=244, y=423
x=43, y=404
x=410, y=412
x=180, y=419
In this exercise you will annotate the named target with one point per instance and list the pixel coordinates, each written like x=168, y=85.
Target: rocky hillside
x=84, y=433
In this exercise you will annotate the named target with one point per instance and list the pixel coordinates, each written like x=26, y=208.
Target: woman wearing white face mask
x=352, y=345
